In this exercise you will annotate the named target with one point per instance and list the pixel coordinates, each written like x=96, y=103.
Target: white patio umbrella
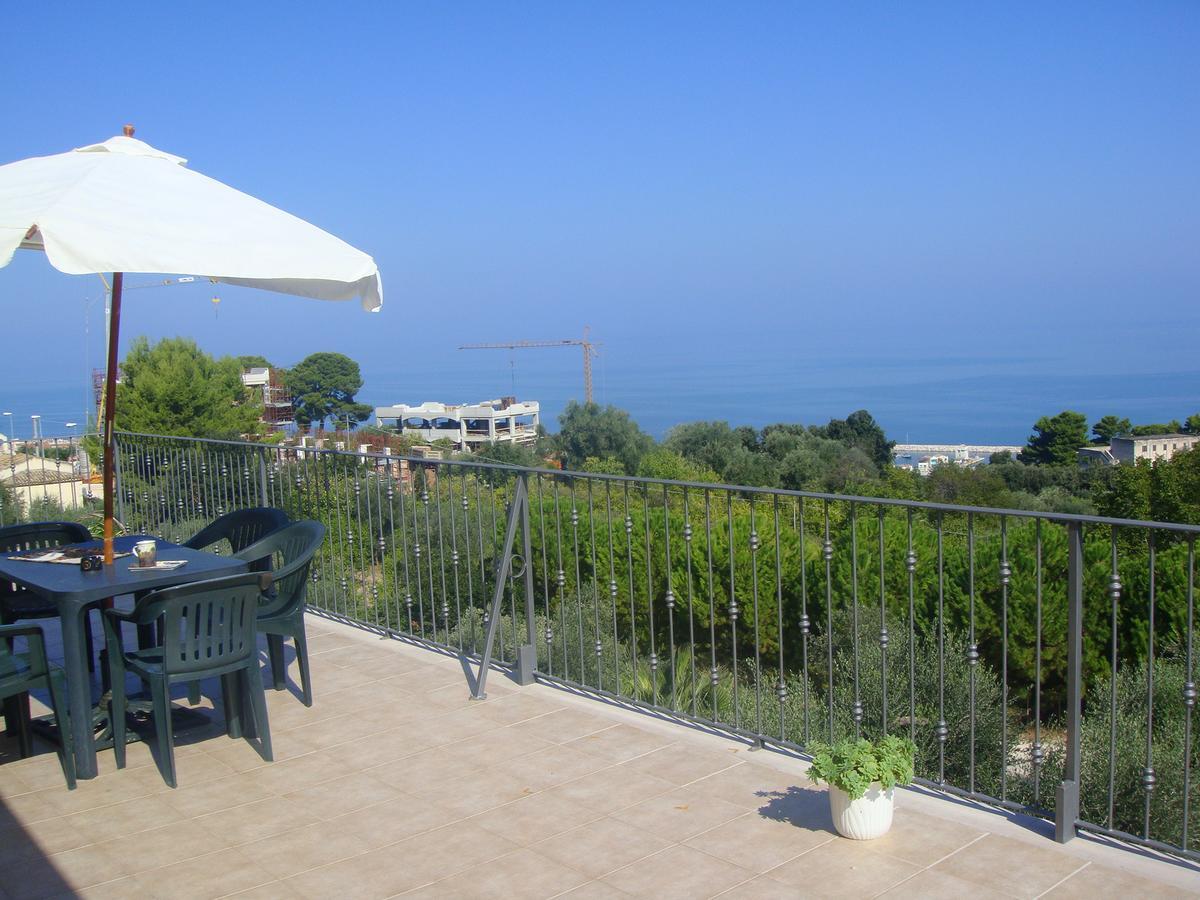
x=123, y=206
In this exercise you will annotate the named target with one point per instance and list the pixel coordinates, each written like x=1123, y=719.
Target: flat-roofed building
x=467, y=426
x=1127, y=448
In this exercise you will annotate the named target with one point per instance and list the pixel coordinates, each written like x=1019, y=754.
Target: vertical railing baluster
x=650, y=600
x=543, y=539
x=943, y=731
x=781, y=683
x=691, y=598
x=1189, y=687
x=613, y=591
x=714, y=675
x=578, y=584
x=633, y=635
x=670, y=596
x=1037, y=753
x=857, y=709
x=598, y=646
x=561, y=581
x=754, y=545
x=827, y=555
x=883, y=632
x=455, y=560
x=733, y=608
x=1149, y=779
x=805, y=625
x=1005, y=578
x=972, y=646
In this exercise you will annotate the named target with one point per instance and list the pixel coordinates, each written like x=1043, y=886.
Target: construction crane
x=589, y=351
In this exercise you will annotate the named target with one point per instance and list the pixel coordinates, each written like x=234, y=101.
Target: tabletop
x=69, y=584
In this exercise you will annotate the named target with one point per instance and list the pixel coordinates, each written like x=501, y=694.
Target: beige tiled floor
x=395, y=783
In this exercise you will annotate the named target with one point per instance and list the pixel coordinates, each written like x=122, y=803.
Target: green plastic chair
x=22, y=672
x=16, y=602
x=240, y=528
x=289, y=551
x=204, y=629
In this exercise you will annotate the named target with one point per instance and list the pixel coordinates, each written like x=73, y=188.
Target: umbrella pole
x=110, y=409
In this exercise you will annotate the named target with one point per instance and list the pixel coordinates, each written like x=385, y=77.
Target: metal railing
x=41, y=476
x=1041, y=662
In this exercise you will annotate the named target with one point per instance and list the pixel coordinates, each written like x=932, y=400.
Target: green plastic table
x=74, y=592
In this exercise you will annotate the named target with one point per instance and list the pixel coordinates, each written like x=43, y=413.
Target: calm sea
x=920, y=401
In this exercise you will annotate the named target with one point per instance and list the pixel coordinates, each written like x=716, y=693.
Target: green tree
x=324, y=385
x=663, y=463
x=506, y=452
x=1056, y=439
x=1192, y=424
x=175, y=388
x=1108, y=428
x=1171, y=427
x=712, y=445
x=859, y=429
x=590, y=430
x=254, y=361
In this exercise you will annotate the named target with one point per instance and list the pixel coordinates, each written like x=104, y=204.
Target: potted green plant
x=862, y=776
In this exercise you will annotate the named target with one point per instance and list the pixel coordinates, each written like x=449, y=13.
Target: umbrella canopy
x=124, y=206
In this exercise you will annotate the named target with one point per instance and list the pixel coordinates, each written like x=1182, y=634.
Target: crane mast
x=589, y=351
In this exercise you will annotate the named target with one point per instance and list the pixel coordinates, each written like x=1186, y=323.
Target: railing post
x=1066, y=801
x=526, y=653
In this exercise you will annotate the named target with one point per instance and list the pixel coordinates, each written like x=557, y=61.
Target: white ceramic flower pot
x=868, y=817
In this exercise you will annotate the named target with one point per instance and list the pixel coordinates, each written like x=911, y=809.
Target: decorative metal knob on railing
x=612, y=589
x=653, y=662
x=753, y=541
x=883, y=638
x=466, y=504
x=453, y=557
x=687, y=533
x=714, y=676
x=733, y=610
x=1005, y=572
x=670, y=599
x=1189, y=694
x=599, y=649
x=549, y=634
x=628, y=525
x=417, y=550
x=910, y=561
x=1037, y=754
x=972, y=654
x=781, y=690
x=857, y=711
x=805, y=625
x=560, y=579
x=827, y=550
x=574, y=517
x=1149, y=780
x=942, y=731
x=1114, y=587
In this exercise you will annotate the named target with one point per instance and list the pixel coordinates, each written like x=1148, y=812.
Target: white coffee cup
x=146, y=553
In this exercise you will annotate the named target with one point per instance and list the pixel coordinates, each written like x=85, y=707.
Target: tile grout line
x=926, y=868
x=1064, y=880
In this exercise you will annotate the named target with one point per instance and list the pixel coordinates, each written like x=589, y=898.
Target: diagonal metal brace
x=518, y=514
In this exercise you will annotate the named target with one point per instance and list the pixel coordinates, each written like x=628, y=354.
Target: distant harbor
x=922, y=458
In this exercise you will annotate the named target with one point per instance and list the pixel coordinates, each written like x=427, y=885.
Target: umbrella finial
x=128, y=131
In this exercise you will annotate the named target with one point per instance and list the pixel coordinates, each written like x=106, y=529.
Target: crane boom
x=589, y=350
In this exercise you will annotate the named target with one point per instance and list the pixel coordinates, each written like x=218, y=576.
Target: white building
x=1128, y=449
x=467, y=426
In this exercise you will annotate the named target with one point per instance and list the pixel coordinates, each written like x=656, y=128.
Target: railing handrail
x=1062, y=518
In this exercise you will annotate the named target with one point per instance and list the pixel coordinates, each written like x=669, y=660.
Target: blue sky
x=695, y=181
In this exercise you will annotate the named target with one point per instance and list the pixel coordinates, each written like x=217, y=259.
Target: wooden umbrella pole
x=110, y=409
